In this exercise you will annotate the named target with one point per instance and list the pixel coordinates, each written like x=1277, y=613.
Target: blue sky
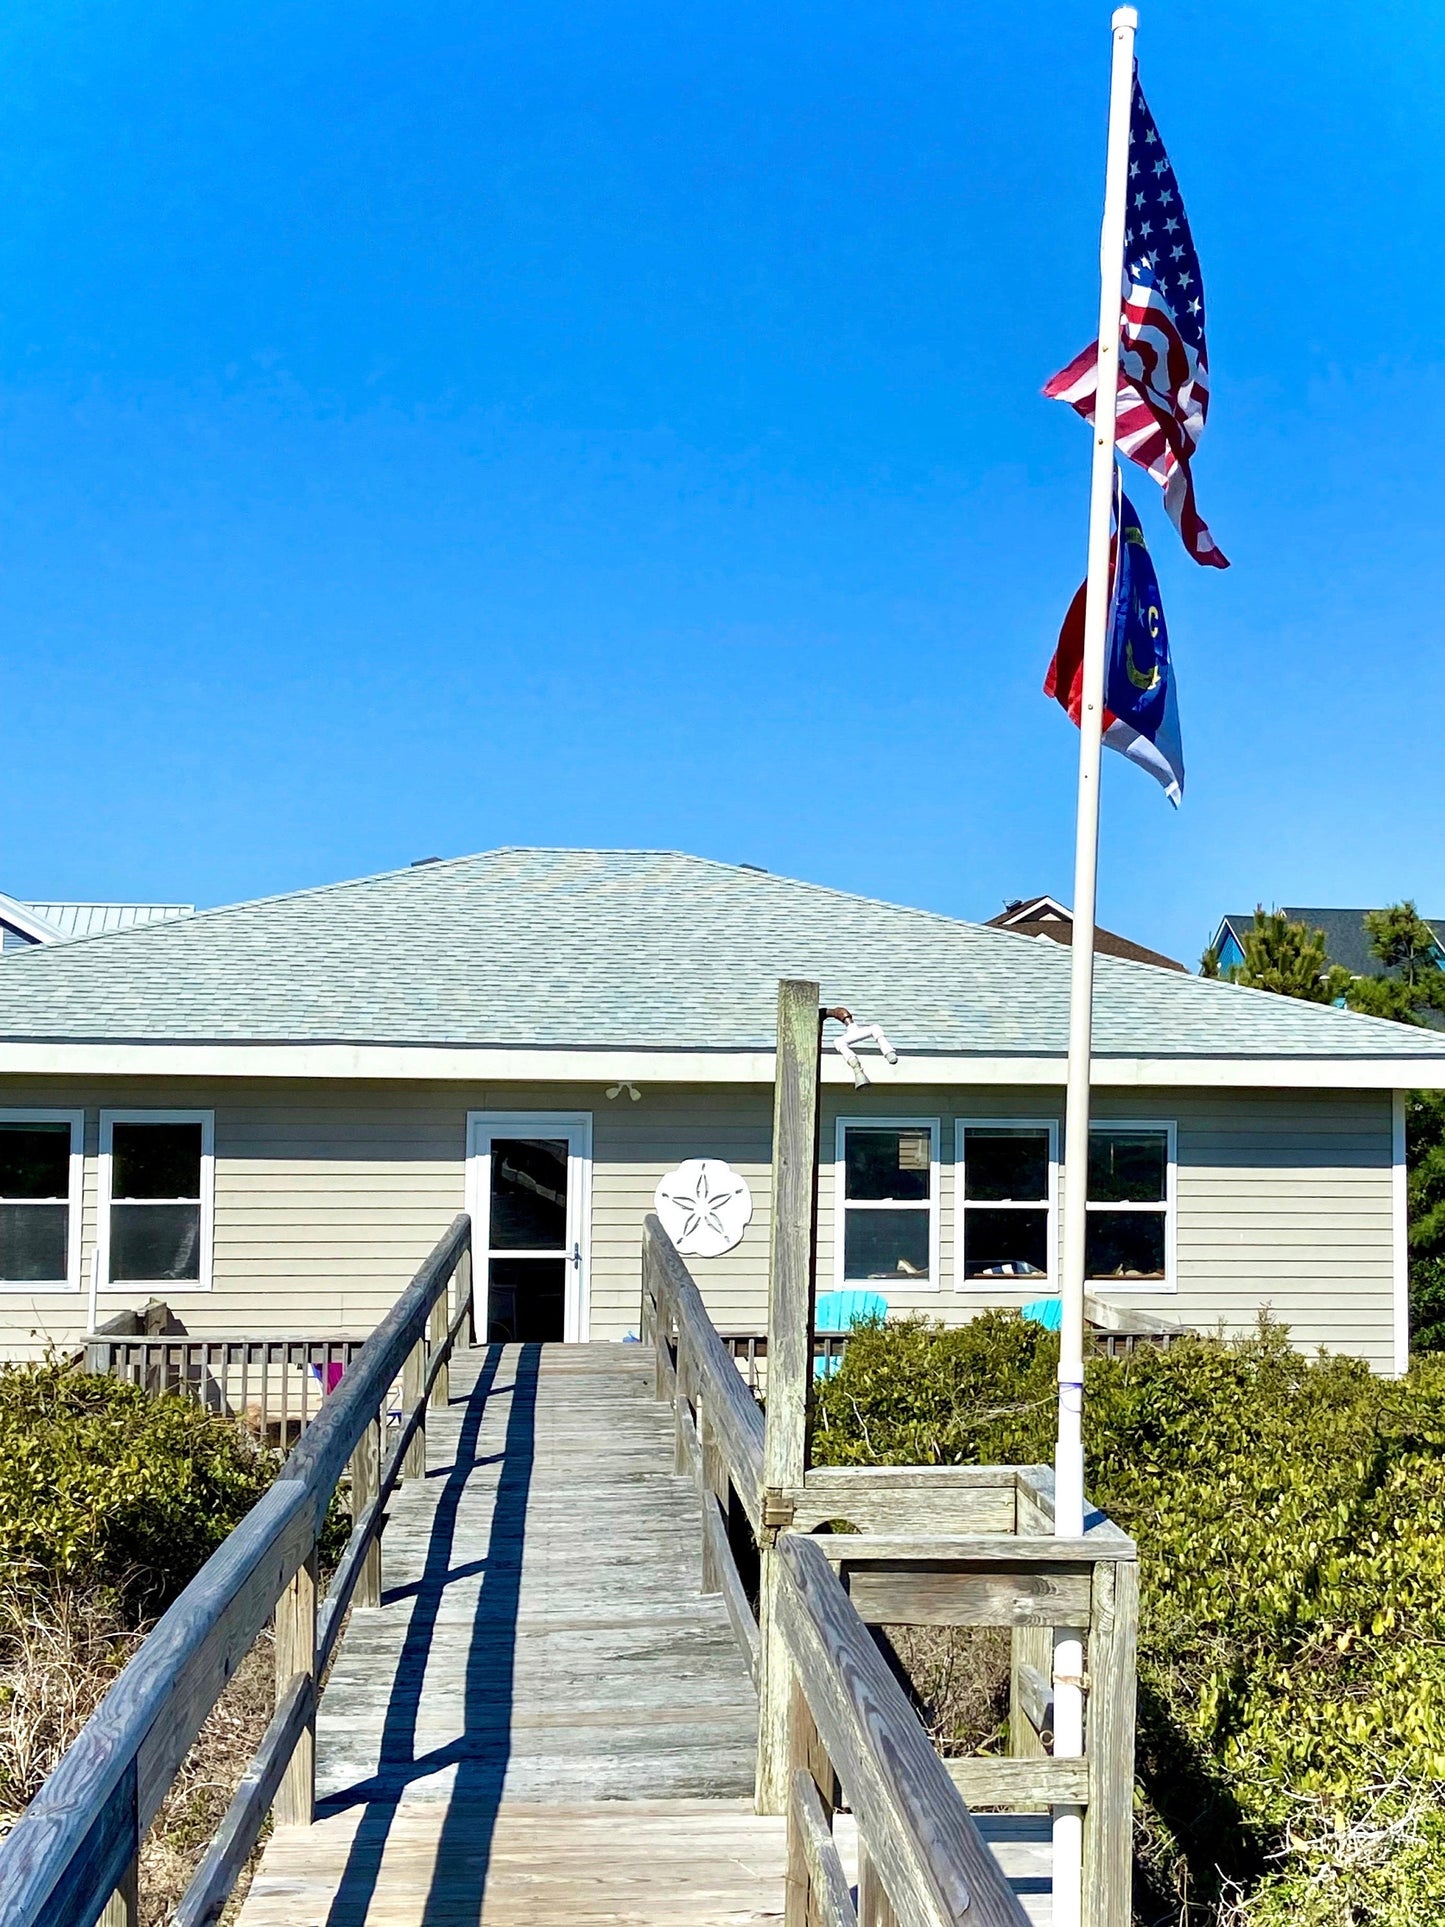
x=430, y=427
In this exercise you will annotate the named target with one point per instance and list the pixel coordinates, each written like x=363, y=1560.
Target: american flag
x=1163, y=365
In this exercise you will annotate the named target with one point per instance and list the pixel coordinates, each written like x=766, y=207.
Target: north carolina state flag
x=1141, y=713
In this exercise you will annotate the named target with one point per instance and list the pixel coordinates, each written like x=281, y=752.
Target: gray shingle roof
x=648, y=949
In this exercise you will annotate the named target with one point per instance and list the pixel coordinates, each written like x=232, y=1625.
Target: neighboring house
x=23, y=925
x=1046, y=917
x=1347, y=941
x=266, y=1114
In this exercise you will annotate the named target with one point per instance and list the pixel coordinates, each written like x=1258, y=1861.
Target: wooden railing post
x=296, y=1653
x=413, y=1382
x=714, y=1486
x=1109, y=1816
x=437, y=1327
x=365, y=1484
x=791, y=1241
x=123, y=1907
x=464, y=1292
x=681, y=1457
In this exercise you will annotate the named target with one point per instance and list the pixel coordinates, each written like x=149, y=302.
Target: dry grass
x=58, y=1654
x=58, y=1657
x=197, y=1801
x=959, y=1677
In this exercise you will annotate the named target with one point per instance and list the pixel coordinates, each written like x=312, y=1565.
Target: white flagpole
x=1069, y=1458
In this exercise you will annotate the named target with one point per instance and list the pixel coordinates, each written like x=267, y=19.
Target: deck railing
x=274, y=1386
x=73, y=1854
x=931, y=1545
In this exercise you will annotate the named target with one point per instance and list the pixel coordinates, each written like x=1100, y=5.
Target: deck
x=546, y=1720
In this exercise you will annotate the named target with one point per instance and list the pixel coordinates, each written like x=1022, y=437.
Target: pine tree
x=1289, y=959
x=1413, y=983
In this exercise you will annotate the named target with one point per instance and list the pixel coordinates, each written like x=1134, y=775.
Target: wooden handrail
x=704, y=1364
x=75, y=1842
x=916, y=1834
x=919, y=1836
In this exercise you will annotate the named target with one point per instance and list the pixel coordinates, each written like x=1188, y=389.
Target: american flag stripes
x=1163, y=394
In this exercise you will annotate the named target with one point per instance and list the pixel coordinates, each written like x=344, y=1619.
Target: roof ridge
x=760, y=877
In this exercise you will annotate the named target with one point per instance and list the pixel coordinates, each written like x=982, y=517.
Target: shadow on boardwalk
x=479, y=1755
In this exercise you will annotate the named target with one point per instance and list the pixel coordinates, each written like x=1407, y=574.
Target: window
x=887, y=1193
x=40, y=1178
x=1006, y=1182
x=156, y=1197
x=1131, y=1192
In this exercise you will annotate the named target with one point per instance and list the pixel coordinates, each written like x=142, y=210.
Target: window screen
x=1004, y=1201
x=888, y=1202
x=35, y=1202
x=1127, y=1234
x=155, y=1207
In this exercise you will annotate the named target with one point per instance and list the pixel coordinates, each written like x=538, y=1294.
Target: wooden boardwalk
x=543, y=1655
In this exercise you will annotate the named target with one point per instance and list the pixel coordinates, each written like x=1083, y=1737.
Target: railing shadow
x=479, y=1755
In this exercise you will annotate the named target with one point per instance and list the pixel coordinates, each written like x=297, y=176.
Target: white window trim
x=841, y=1206
x=1009, y=1287
x=577, y=1127
x=34, y=1287
x=1169, y=1283
x=128, y=1287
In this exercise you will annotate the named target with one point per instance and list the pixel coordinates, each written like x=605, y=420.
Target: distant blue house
x=1347, y=941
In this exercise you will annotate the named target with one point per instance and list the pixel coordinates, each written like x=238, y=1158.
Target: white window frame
x=130, y=1286
x=1049, y=1284
x=33, y=1287
x=576, y=1127
x=842, y=1206
x=1169, y=1283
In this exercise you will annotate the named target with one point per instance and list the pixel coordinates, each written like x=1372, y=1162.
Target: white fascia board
x=28, y=922
x=489, y=1064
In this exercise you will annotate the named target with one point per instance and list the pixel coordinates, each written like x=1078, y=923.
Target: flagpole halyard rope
x=1069, y=1457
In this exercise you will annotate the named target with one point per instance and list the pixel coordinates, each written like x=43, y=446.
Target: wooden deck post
x=296, y=1653
x=365, y=1484
x=123, y=1907
x=714, y=1489
x=413, y=1377
x=791, y=1242
x=437, y=1327
x=1109, y=1817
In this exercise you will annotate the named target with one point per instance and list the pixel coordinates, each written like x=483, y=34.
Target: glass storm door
x=528, y=1186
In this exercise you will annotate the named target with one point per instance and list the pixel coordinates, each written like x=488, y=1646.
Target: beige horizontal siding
x=329, y=1195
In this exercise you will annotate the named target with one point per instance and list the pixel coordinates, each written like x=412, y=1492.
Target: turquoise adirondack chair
x=840, y=1311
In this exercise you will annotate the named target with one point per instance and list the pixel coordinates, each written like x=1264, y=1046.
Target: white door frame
x=576, y=1127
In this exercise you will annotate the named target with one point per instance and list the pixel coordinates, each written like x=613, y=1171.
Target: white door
x=529, y=1186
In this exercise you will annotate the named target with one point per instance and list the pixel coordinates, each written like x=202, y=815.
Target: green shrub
x=1292, y=1638
x=104, y=1486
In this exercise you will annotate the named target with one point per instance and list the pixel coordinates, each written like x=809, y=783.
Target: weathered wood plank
x=996, y=1551
x=296, y=1654
x=365, y=1483
x=642, y=1863
x=1036, y=1501
x=792, y=1243
x=1109, y=1740
x=732, y=1408
x=729, y=1584
x=916, y=1595
x=1031, y=1655
x=992, y=1781
x=829, y=1899
x=872, y=1504
x=413, y=1402
x=918, y=1832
